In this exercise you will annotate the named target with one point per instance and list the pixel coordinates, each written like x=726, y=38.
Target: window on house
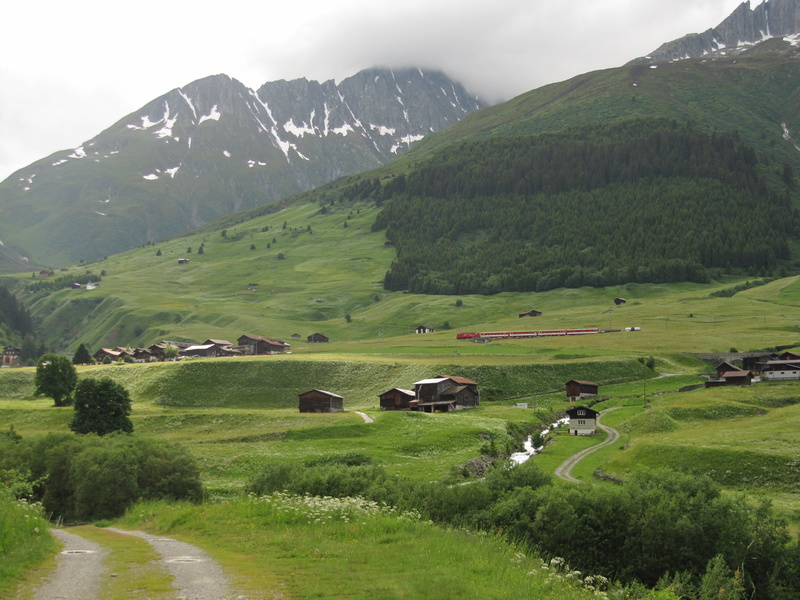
x=581, y=412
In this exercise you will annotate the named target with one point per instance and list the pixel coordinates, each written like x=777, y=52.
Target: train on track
x=497, y=335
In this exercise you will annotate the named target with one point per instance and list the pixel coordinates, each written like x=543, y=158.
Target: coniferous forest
x=646, y=201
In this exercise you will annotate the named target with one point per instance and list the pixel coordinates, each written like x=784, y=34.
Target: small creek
x=520, y=457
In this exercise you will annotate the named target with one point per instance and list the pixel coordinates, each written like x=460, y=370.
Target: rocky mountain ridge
x=214, y=147
x=742, y=29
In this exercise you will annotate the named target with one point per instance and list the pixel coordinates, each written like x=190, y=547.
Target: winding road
x=564, y=471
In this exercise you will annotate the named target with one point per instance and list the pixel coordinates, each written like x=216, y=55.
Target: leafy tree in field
x=55, y=377
x=82, y=356
x=171, y=352
x=102, y=406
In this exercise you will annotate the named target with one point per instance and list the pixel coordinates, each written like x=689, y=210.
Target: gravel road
x=195, y=575
x=80, y=568
x=564, y=471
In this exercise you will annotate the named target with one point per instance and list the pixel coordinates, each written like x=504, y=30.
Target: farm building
x=619, y=301
x=780, y=369
x=735, y=377
x=577, y=390
x=157, y=350
x=257, y=345
x=316, y=338
x=424, y=329
x=143, y=355
x=397, y=399
x=320, y=401
x=582, y=420
x=725, y=367
x=445, y=393
x=531, y=313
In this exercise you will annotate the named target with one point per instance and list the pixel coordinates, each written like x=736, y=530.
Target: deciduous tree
x=55, y=377
x=101, y=406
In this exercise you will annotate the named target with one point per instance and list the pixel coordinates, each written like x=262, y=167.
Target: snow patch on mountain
x=78, y=153
x=214, y=115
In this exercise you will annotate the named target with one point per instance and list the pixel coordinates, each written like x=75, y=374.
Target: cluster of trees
x=13, y=314
x=86, y=478
x=52, y=284
x=661, y=528
x=645, y=201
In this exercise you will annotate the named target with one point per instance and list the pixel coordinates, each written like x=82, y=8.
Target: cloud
x=77, y=69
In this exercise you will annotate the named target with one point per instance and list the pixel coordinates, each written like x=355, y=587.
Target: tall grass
x=309, y=547
x=24, y=540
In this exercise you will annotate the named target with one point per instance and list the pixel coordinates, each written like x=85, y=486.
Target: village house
x=582, y=420
x=107, y=355
x=316, y=338
x=578, y=390
x=397, y=399
x=445, y=393
x=320, y=401
x=725, y=367
x=10, y=355
x=424, y=329
x=257, y=345
x=775, y=370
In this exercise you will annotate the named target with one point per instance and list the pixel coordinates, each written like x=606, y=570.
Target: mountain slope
x=212, y=148
x=743, y=28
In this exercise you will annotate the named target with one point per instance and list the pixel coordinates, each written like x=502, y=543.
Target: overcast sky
x=70, y=69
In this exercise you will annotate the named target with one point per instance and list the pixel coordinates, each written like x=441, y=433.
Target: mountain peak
x=742, y=29
x=215, y=146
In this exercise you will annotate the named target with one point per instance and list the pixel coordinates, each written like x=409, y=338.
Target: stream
x=520, y=457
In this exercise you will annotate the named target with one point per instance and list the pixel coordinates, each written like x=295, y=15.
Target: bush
x=89, y=477
x=102, y=406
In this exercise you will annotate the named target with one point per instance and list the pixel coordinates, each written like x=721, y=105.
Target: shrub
x=102, y=406
x=89, y=477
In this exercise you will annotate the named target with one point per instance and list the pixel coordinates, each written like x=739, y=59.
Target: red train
x=526, y=334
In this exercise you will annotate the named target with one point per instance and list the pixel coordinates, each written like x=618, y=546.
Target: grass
x=345, y=548
x=24, y=542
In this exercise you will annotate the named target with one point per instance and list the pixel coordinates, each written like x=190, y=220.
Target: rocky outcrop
x=744, y=27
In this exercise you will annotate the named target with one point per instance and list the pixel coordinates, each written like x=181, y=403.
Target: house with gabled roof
x=582, y=420
x=258, y=345
x=320, y=401
x=397, y=399
x=578, y=390
x=445, y=393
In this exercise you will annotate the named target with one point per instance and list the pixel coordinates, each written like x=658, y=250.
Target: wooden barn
x=619, y=301
x=735, y=377
x=445, y=393
x=577, y=390
x=725, y=367
x=107, y=353
x=397, y=399
x=256, y=345
x=320, y=401
x=531, y=313
x=582, y=420
x=424, y=329
x=316, y=338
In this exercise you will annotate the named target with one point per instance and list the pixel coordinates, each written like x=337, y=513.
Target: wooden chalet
x=397, y=399
x=445, y=393
x=424, y=329
x=10, y=355
x=735, y=377
x=531, y=313
x=578, y=390
x=107, y=355
x=258, y=345
x=157, y=349
x=582, y=420
x=725, y=367
x=320, y=401
x=143, y=355
x=316, y=338
x=756, y=362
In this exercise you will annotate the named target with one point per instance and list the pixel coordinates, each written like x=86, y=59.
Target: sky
x=69, y=70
